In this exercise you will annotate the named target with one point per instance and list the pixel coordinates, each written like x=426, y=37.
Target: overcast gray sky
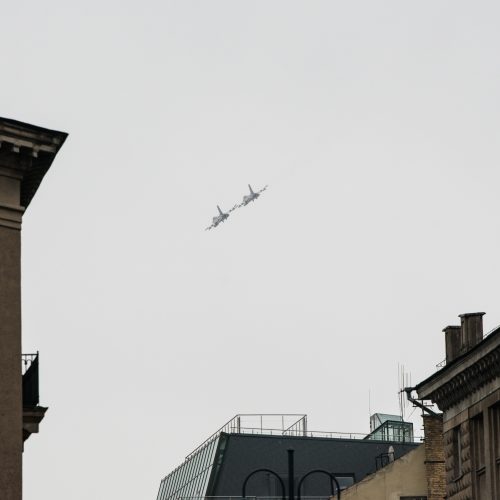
x=376, y=126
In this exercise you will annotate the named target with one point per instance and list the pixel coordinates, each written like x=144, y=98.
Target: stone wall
x=459, y=487
x=10, y=364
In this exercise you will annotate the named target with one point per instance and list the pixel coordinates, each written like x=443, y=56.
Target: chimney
x=453, y=342
x=435, y=461
x=471, y=331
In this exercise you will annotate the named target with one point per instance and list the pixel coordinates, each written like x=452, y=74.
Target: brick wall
x=434, y=457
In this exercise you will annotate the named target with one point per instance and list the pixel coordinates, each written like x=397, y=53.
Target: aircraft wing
x=234, y=208
x=263, y=189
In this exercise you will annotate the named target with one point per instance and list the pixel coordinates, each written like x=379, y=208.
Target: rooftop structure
x=220, y=464
x=385, y=427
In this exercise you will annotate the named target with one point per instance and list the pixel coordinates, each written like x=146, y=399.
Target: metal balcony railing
x=31, y=396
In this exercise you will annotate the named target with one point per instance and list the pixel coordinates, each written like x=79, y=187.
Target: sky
x=376, y=126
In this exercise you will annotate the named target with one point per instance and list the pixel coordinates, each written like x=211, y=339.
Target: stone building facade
x=26, y=153
x=467, y=390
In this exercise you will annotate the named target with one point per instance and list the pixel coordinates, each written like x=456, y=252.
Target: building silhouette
x=26, y=154
x=467, y=390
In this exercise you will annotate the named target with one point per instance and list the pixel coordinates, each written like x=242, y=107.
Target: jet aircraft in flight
x=218, y=218
x=252, y=196
x=246, y=200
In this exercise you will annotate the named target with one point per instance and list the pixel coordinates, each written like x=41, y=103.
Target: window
x=319, y=485
x=345, y=480
x=478, y=456
x=457, y=453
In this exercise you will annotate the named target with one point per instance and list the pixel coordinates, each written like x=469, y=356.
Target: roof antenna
x=406, y=388
x=401, y=375
x=404, y=380
x=369, y=405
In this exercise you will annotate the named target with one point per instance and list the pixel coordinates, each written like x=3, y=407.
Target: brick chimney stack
x=453, y=342
x=472, y=330
x=460, y=339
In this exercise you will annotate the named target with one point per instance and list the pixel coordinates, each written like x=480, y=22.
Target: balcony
x=32, y=413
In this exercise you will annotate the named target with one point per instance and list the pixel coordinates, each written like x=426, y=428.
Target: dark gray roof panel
x=245, y=453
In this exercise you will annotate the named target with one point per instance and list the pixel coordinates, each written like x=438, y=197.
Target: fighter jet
x=252, y=196
x=218, y=218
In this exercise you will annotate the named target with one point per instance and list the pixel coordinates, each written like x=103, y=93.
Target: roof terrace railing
x=334, y=435
x=281, y=424
x=276, y=424
x=303, y=497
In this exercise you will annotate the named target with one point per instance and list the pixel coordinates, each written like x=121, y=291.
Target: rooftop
x=218, y=466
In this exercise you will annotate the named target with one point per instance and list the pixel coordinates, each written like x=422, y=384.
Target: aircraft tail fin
x=251, y=190
x=220, y=211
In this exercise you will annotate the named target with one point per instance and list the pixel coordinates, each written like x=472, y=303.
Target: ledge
x=451, y=371
x=31, y=420
x=30, y=151
x=456, y=385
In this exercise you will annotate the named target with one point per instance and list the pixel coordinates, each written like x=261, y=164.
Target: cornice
x=11, y=216
x=19, y=135
x=28, y=151
x=468, y=381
